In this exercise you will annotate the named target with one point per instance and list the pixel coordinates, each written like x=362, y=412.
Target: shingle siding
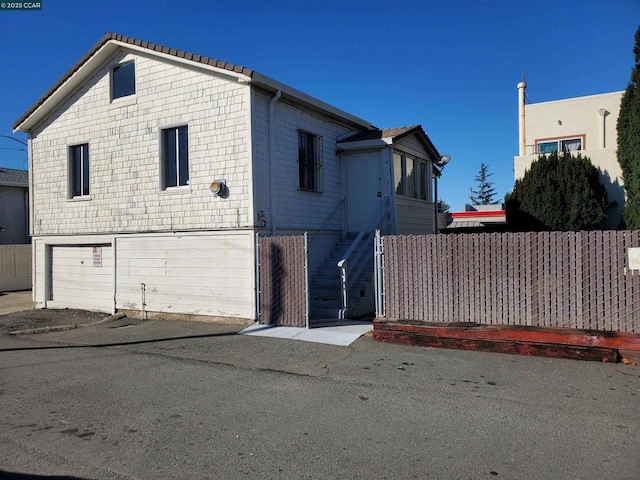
x=124, y=152
x=295, y=209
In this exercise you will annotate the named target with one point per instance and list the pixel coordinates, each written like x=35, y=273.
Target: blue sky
x=451, y=66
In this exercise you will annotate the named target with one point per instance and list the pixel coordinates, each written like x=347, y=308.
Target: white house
x=152, y=169
x=585, y=125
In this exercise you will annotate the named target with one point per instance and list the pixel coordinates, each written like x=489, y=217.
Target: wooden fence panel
x=15, y=267
x=555, y=279
x=282, y=280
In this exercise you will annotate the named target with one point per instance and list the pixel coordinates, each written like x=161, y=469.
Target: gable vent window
x=123, y=80
x=309, y=162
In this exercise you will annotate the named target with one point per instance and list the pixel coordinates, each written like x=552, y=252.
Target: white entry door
x=364, y=189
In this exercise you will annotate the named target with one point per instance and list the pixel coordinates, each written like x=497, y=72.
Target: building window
x=175, y=157
x=559, y=145
x=79, y=170
x=123, y=80
x=411, y=176
x=309, y=161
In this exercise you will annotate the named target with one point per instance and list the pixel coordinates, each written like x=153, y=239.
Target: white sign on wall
x=634, y=258
x=97, y=256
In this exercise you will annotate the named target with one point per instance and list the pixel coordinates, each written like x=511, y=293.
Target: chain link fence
x=282, y=268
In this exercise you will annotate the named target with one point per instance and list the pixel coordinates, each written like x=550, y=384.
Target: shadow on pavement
x=116, y=344
x=4, y=475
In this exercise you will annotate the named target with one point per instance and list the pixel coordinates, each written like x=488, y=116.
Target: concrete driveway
x=191, y=400
x=15, y=301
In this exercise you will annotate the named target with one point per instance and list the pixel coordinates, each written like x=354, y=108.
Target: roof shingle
x=11, y=176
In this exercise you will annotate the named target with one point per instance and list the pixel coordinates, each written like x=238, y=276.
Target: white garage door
x=82, y=277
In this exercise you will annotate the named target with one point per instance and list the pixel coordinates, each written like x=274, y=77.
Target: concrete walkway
x=15, y=301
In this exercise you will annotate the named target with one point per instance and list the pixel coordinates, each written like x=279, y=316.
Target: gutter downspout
x=30, y=218
x=603, y=114
x=392, y=193
x=435, y=201
x=522, y=87
x=272, y=170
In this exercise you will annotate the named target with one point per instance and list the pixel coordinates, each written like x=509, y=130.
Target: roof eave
x=14, y=184
x=364, y=144
x=273, y=85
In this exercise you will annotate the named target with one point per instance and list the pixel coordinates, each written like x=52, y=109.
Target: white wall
x=208, y=274
x=415, y=216
x=294, y=209
x=572, y=117
x=124, y=152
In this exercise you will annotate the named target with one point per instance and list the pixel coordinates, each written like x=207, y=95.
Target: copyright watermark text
x=21, y=5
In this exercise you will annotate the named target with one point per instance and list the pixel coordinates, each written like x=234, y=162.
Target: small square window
x=175, y=157
x=79, y=170
x=123, y=80
x=309, y=161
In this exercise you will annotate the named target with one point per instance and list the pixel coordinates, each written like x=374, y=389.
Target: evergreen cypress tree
x=443, y=207
x=485, y=194
x=629, y=143
x=560, y=193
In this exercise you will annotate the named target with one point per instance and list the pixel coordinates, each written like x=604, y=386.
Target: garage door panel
x=76, y=282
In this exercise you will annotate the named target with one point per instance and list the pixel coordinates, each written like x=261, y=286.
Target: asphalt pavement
x=168, y=399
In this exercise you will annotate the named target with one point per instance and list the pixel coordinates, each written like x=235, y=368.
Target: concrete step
x=318, y=313
x=321, y=281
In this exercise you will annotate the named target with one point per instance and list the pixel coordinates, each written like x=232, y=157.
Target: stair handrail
x=344, y=262
x=323, y=227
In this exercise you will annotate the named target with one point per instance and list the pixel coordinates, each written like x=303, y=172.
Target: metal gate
x=282, y=270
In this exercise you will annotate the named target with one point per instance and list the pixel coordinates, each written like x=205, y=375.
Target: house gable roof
x=389, y=136
x=14, y=178
x=110, y=42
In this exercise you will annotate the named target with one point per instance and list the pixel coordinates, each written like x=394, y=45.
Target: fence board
x=577, y=280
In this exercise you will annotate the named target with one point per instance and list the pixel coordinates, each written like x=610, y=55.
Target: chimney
x=522, y=87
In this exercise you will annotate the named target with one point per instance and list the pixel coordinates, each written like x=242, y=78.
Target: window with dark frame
x=411, y=176
x=573, y=144
x=309, y=161
x=175, y=156
x=79, y=170
x=123, y=80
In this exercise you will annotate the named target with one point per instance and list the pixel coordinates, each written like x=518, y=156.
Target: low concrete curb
x=61, y=328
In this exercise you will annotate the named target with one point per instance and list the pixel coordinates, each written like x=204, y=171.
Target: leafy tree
x=629, y=143
x=485, y=193
x=559, y=192
x=443, y=207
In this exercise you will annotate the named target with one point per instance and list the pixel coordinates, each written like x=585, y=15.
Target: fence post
x=378, y=274
x=306, y=280
x=257, y=277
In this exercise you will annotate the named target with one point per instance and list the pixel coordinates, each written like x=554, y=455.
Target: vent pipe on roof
x=522, y=87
